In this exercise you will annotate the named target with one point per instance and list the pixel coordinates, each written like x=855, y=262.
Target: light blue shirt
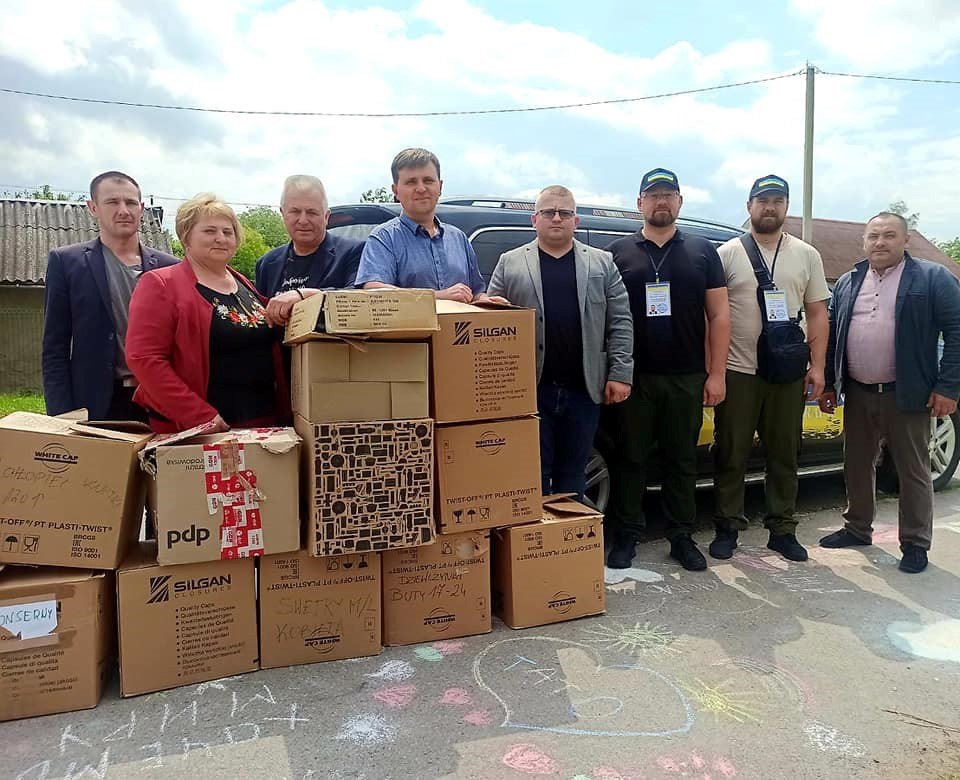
x=400, y=252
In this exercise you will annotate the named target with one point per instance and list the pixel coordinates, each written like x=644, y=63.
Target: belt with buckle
x=877, y=387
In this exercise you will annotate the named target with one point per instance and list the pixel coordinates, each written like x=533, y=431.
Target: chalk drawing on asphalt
x=939, y=641
x=530, y=760
x=393, y=671
x=397, y=697
x=367, y=730
x=827, y=739
x=638, y=639
x=723, y=701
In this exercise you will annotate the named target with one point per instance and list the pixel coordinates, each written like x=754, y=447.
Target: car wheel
x=944, y=456
x=598, y=480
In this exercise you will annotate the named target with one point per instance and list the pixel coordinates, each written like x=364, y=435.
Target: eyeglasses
x=655, y=196
x=551, y=213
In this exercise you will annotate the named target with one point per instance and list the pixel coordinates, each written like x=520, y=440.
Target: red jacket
x=168, y=349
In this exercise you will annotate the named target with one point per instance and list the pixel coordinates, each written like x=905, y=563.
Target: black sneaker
x=621, y=553
x=842, y=538
x=685, y=550
x=914, y=559
x=723, y=544
x=788, y=546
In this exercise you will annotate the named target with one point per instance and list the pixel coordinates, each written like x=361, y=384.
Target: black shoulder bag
x=783, y=354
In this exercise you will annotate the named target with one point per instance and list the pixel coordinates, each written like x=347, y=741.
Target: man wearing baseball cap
x=673, y=280
x=759, y=401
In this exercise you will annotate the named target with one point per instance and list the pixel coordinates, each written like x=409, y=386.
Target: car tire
x=944, y=456
x=598, y=475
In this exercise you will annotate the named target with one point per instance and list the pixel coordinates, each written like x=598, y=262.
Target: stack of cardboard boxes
x=415, y=449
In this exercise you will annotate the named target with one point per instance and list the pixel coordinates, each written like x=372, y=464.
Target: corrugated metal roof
x=29, y=229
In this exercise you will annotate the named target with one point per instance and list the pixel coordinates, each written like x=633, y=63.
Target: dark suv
x=495, y=226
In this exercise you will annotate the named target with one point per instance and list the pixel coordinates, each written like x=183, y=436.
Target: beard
x=767, y=224
x=661, y=218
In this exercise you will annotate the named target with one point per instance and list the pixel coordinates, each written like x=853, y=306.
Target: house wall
x=21, y=331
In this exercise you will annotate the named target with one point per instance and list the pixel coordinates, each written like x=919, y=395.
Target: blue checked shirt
x=401, y=253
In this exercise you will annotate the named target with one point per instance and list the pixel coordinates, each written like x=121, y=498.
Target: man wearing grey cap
x=772, y=278
x=675, y=284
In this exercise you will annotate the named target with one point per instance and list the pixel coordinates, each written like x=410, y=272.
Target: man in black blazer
x=314, y=259
x=87, y=294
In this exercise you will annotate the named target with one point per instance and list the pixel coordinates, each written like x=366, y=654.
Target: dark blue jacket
x=928, y=304
x=335, y=270
x=79, y=333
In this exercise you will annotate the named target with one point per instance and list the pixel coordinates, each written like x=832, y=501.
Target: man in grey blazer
x=584, y=334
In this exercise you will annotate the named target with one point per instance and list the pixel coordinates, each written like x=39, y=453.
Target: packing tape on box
x=232, y=490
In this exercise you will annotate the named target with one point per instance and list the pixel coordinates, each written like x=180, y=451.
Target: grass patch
x=24, y=401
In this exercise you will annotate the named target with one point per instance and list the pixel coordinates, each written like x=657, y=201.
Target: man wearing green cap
x=770, y=267
x=675, y=284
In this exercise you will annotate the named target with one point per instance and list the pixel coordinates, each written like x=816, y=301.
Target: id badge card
x=658, y=299
x=775, y=304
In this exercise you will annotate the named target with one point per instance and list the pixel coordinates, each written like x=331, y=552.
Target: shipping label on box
x=56, y=640
x=488, y=474
x=351, y=381
x=318, y=609
x=440, y=591
x=71, y=493
x=181, y=625
x=368, y=486
x=387, y=313
x=226, y=496
x=484, y=363
x=552, y=570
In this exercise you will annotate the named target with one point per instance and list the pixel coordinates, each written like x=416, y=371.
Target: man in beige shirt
x=775, y=411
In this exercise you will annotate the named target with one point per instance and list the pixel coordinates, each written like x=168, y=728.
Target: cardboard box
x=71, y=493
x=348, y=381
x=436, y=592
x=56, y=640
x=181, y=625
x=389, y=313
x=488, y=474
x=484, y=363
x=318, y=609
x=551, y=570
x=230, y=495
x=368, y=486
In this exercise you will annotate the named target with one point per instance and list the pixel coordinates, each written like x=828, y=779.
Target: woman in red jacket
x=198, y=341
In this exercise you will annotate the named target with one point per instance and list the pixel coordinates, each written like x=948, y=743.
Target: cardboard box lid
x=455, y=307
x=562, y=506
x=30, y=422
x=308, y=317
x=15, y=577
x=276, y=441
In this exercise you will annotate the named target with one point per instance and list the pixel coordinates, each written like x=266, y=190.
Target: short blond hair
x=205, y=204
x=558, y=190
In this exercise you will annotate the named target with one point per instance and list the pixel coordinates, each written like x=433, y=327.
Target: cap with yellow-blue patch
x=659, y=177
x=770, y=185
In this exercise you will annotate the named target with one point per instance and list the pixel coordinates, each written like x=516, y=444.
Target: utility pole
x=807, y=231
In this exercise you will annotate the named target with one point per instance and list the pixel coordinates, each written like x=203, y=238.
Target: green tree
x=267, y=222
x=251, y=250
x=951, y=248
x=46, y=192
x=378, y=195
x=900, y=207
x=176, y=247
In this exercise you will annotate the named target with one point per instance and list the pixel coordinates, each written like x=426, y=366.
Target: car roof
x=474, y=213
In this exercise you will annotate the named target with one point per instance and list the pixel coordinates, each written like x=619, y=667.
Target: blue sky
x=876, y=141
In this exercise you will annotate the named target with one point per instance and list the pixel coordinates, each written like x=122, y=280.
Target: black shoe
x=621, y=553
x=685, y=550
x=723, y=544
x=788, y=546
x=842, y=538
x=914, y=559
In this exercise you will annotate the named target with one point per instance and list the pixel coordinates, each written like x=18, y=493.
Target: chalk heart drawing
x=456, y=696
x=367, y=730
x=530, y=760
x=394, y=671
x=478, y=718
x=428, y=654
x=828, y=740
x=396, y=696
x=696, y=765
x=449, y=647
x=563, y=687
x=939, y=641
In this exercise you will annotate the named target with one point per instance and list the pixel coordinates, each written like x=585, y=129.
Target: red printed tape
x=232, y=490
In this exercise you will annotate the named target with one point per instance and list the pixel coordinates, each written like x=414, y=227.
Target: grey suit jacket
x=605, y=318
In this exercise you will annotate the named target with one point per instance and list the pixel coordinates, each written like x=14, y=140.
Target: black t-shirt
x=296, y=269
x=563, y=337
x=241, y=386
x=674, y=344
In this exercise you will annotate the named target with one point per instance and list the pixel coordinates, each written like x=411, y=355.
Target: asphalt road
x=840, y=667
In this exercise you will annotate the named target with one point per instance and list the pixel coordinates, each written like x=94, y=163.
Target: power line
x=951, y=82
x=401, y=114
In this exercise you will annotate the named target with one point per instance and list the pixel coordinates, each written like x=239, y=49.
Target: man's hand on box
x=459, y=292
x=280, y=306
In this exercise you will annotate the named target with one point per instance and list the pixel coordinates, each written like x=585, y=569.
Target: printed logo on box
x=490, y=443
x=439, y=619
x=192, y=534
x=323, y=639
x=160, y=587
x=55, y=457
x=463, y=334
x=562, y=602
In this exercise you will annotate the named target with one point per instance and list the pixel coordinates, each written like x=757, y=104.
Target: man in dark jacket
x=886, y=317
x=314, y=259
x=86, y=297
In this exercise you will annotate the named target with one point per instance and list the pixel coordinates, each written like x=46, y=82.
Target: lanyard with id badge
x=658, y=293
x=775, y=301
